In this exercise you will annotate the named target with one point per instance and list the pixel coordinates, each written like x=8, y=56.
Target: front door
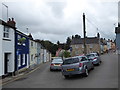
x=6, y=59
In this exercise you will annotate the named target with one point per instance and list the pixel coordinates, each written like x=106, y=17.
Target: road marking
x=20, y=76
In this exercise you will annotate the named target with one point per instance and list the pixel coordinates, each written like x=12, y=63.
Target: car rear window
x=90, y=55
x=57, y=60
x=70, y=61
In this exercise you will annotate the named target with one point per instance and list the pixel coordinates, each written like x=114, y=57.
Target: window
x=91, y=46
x=31, y=44
x=70, y=61
x=31, y=57
x=19, y=60
x=77, y=46
x=83, y=59
x=23, y=59
x=6, y=32
x=19, y=37
x=82, y=46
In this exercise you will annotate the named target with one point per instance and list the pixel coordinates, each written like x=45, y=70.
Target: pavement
x=103, y=76
x=9, y=79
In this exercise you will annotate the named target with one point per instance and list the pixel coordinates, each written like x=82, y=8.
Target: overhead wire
x=97, y=29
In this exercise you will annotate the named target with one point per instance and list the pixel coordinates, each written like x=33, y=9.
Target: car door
x=86, y=62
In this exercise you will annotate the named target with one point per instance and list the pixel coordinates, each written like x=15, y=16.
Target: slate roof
x=89, y=40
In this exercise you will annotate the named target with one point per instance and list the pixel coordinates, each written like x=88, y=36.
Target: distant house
x=45, y=56
x=92, y=44
x=21, y=51
x=7, y=40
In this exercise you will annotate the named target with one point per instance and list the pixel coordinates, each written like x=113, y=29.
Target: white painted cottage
x=7, y=42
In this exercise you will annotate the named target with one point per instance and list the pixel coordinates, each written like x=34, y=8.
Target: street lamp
x=7, y=9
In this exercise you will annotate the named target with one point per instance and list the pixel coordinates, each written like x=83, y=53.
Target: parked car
x=95, y=58
x=56, y=64
x=76, y=65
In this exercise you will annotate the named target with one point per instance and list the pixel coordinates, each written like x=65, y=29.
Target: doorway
x=6, y=59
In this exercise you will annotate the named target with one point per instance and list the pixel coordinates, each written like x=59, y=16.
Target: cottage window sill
x=7, y=39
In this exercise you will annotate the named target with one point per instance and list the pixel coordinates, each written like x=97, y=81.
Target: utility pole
x=84, y=31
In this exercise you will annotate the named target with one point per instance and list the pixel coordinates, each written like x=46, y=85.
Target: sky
x=55, y=20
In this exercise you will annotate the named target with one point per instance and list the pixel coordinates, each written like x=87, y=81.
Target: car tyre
x=98, y=63
x=86, y=72
x=92, y=68
x=66, y=76
x=51, y=69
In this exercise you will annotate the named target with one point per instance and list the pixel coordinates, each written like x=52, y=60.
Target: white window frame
x=23, y=59
x=82, y=46
x=19, y=60
x=6, y=31
x=32, y=44
x=19, y=37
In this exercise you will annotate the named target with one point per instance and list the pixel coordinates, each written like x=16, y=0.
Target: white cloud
x=57, y=19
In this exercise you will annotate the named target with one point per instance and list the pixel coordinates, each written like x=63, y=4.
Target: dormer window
x=6, y=32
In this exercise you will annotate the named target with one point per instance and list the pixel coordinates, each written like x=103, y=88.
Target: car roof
x=93, y=53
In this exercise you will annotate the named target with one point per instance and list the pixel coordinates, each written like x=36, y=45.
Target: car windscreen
x=57, y=60
x=70, y=61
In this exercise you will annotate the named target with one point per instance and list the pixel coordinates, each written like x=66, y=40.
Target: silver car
x=76, y=65
x=95, y=58
x=56, y=64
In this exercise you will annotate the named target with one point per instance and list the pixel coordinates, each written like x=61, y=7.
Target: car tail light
x=95, y=58
x=52, y=64
x=81, y=64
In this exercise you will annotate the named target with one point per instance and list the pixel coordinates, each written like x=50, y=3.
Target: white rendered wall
x=0, y=10
x=8, y=47
x=1, y=58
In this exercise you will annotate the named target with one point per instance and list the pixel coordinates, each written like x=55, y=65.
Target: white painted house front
x=33, y=53
x=7, y=41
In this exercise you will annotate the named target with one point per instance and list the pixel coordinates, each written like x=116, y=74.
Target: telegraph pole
x=84, y=31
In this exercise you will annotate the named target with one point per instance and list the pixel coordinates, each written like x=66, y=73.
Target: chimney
x=11, y=22
x=98, y=35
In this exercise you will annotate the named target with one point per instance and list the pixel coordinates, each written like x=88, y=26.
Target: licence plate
x=70, y=70
x=56, y=65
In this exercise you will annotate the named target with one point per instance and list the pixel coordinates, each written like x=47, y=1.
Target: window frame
x=23, y=57
x=19, y=60
x=6, y=31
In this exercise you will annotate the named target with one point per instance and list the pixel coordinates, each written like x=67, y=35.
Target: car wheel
x=86, y=72
x=51, y=69
x=98, y=63
x=92, y=67
x=66, y=76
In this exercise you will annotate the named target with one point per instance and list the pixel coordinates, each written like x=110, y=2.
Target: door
x=6, y=59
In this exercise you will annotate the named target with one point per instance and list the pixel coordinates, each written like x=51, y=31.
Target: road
x=103, y=76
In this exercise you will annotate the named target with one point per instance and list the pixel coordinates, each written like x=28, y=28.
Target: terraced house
x=21, y=51
x=92, y=45
x=33, y=51
x=7, y=40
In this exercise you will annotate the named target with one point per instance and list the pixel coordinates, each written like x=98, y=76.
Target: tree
x=68, y=41
x=66, y=54
x=58, y=42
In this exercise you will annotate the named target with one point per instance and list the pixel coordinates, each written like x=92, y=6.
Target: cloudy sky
x=57, y=19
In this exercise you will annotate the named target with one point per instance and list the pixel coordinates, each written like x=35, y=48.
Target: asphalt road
x=103, y=76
